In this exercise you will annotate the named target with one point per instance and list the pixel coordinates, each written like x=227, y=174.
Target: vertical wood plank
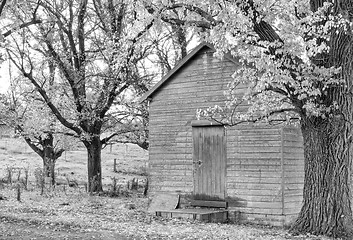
x=223, y=163
x=282, y=170
x=215, y=165
x=199, y=158
x=218, y=169
x=195, y=138
x=206, y=162
x=210, y=159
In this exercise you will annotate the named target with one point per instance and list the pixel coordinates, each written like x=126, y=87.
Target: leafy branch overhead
x=288, y=56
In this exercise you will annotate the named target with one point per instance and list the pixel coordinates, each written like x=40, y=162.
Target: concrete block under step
x=206, y=215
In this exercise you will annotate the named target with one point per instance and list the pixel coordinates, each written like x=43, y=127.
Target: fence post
x=115, y=165
x=18, y=192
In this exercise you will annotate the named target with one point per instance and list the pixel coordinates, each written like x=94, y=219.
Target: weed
x=19, y=174
x=40, y=181
x=134, y=184
x=115, y=188
x=9, y=171
x=71, y=182
x=145, y=190
x=25, y=182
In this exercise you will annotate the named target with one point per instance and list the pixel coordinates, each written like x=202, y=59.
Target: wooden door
x=209, y=161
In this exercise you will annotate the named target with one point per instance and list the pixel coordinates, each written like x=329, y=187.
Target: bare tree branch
x=2, y=6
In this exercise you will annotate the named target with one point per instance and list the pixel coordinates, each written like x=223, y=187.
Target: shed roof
x=184, y=61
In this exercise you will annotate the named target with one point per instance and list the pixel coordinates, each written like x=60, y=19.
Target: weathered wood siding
x=254, y=173
x=198, y=84
x=293, y=171
x=257, y=157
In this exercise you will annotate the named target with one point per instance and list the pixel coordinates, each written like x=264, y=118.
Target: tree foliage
x=93, y=53
x=88, y=62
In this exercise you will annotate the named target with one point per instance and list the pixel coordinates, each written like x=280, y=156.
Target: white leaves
x=265, y=85
x=304, y=35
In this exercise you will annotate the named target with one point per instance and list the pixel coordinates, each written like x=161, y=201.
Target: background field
x=131, y=161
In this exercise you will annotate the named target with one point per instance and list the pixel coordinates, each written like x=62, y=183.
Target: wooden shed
x=257, y=168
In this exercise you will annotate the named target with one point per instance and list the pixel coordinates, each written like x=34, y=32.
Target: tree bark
x=327, y=195
x=49, y=159
x=94, y=149
x=45, y=149
x=49, y=156
x=49, y=168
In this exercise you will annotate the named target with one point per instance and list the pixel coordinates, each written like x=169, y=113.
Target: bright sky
x=4, y=84
x=4, y=77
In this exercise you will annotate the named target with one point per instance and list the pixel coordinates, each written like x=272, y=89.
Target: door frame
x=206, y=123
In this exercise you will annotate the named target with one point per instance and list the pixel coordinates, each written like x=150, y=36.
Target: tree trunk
x=327, y=188
x=94, y=149
x=45, y=149
x=49, y=168
x=49, y=158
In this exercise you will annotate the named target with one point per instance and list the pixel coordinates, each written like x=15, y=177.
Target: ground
x=74, y=214
x=12, y=229
x=67, y=212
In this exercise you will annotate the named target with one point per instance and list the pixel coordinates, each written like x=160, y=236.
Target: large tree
x=95, y=47
x=297, y=60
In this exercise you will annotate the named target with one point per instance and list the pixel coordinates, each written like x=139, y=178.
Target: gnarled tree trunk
x=94, y=149
x=327, y=194
x=46, y=150
x=49, y=158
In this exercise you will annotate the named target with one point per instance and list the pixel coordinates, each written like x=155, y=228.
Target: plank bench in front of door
x=207, y=211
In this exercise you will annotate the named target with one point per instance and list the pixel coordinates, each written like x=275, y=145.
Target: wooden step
x=210, y=204
x=201, y=214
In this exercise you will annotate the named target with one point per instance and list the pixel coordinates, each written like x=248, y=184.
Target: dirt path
x=21, y=230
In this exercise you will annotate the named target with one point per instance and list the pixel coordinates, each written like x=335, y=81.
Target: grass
x=66, y=209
